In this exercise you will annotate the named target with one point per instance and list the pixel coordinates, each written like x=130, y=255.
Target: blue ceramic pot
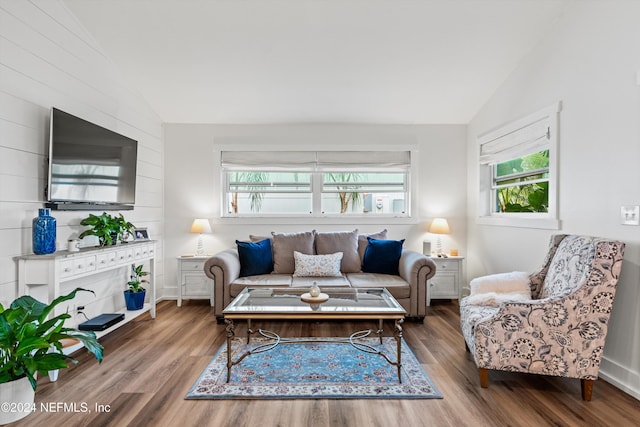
x=134, y=300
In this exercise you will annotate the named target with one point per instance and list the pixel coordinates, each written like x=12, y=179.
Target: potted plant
x=108, y=228
x=31, y=342
x=134, y=296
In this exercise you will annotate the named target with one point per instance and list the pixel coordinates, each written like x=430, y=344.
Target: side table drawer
x=444, y=265
x=193, y=266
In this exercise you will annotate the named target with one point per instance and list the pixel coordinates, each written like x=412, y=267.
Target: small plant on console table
x=109, y=229
x=134, y=296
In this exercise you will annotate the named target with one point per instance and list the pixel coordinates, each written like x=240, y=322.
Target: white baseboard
x=621, y=377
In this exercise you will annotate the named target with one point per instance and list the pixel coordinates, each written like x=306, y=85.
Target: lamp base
x=200, y=247
x=439, y=246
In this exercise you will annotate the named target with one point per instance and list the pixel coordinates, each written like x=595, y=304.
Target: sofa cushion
x=322, y=282
x=341, y=241
x=514, y=281
x=259, y=281
x=363, y=242
x=570, y=266
x=283, y=245
x=317, y=265
x=382, y=256
x=396, y=285
x=255, y=257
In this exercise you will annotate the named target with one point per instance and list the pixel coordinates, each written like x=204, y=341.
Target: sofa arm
x=416, y=269
x=223, y=268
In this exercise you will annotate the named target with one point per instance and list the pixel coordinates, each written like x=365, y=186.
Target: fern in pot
x=31, y=342
x=135, y=294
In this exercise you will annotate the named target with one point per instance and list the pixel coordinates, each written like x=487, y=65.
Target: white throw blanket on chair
x=494, y=289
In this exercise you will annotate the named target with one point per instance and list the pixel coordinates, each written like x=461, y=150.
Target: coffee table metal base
x=353, y=339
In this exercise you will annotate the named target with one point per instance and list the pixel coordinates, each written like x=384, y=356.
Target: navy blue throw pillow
x=382, y=256
x=255, y=257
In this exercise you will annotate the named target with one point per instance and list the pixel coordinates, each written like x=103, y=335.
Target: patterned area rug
x=314, y=370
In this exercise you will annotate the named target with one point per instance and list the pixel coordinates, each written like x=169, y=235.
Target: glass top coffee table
x=296, y=304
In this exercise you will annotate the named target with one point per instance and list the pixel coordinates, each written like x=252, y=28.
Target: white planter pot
x=17, y=398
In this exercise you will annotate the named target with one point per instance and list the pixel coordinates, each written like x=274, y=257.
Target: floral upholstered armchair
x=552, y=322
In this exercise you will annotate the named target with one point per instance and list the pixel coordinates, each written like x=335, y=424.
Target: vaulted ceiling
x=287, y=61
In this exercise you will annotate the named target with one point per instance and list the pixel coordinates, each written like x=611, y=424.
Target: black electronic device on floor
x=101, y=322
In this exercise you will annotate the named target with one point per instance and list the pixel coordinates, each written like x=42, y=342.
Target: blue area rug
x=314, y=370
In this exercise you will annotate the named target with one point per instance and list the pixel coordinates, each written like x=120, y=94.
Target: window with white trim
x=316, y=183
x=518, y=172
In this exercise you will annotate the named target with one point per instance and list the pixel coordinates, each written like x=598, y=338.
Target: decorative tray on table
x=306, y=297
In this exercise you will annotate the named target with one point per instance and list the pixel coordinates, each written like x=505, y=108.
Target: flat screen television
x=90, y=167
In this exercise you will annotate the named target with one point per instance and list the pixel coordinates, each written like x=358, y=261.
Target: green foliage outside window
x=517, y=193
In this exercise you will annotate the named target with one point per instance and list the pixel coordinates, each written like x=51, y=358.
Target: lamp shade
x=200, y=225
x=439, y=226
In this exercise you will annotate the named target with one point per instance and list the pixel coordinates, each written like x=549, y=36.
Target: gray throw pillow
x=363, y=242
x=283, y=246
x=341, y=241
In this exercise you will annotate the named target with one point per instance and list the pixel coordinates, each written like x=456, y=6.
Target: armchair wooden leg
x=587, y=389
x=484, y=377
x=466, y=347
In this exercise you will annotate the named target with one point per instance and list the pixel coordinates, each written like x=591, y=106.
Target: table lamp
x=439, y=226
x=200, y=226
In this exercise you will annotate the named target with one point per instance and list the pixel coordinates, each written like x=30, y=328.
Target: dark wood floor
x=150, y=365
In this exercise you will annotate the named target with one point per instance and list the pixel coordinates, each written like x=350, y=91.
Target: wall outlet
x=630, y=215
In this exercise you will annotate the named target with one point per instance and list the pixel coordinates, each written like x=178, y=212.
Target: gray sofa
x=408, y=285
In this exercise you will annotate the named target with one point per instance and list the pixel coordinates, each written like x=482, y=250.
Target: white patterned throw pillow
x=317, y=265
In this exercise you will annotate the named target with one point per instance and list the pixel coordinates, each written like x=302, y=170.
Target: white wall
x=47, y=59
x=590, y=61
x=193, y=182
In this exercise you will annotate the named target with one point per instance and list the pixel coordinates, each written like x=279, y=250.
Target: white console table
x=41, y=276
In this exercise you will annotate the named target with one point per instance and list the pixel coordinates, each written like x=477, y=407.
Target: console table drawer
x=77, y=266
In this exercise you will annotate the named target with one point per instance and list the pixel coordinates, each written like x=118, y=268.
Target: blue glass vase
x=44, y=233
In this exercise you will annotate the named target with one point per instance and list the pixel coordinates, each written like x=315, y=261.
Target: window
x=316, y=183
x=518, y=172
x=274, y=192
x=365, y=192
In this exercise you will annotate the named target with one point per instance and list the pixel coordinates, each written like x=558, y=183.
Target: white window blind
x=363, y=160
x=316, y=160
x=517, y=142
x=268, y=160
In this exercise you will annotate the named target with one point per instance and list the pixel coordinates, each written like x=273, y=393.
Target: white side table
x=193, y=283
x=446, y=282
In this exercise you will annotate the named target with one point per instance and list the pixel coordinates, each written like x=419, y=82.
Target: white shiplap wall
x=48, y=59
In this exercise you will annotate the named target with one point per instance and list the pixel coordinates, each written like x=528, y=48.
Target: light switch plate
x=630, y=215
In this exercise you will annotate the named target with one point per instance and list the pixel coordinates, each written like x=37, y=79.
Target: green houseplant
x=31, y=342
x=135, y=294
x=108, y=228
